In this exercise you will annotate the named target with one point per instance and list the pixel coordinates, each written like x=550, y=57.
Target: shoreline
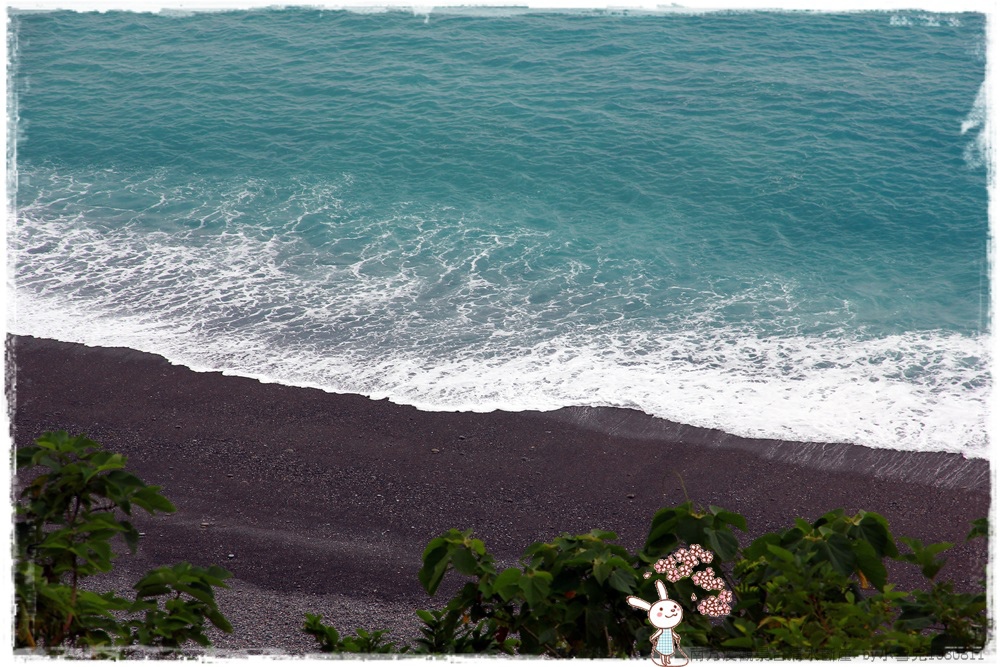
x=325, y=501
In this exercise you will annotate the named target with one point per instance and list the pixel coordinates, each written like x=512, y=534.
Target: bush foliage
x=816, y=590
x=68, y=516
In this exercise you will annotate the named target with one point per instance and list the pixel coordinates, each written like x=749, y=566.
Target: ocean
x=774, y=224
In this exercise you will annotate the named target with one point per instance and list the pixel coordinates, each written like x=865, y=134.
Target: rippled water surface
x=772, y=224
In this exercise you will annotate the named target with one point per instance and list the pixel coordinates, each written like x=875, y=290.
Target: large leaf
x=25, y=456
x=775, y=550
x=151, y=500
x=874, y=529
x=464, y=561
x=535, y=587
x=732, y=518
x=622, y=580
x=758, y=548
x=723, y=543
x=691, y=528
x=602, y=569
x=662, y=536
x=870, y=564
x=836, y=550
x=507, y=583
x=435, y=565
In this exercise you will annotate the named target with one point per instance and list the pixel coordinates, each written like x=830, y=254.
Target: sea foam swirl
x=436, y=312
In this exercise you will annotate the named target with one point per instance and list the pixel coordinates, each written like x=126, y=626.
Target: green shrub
x=816, y=590
x=363, y=642
x=448, y=631
x=66, y=519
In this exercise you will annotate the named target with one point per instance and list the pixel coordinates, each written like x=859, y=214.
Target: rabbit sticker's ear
x=662, y=589
x=638, y=603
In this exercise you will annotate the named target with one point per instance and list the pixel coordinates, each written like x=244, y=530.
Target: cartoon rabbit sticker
x=665, y=614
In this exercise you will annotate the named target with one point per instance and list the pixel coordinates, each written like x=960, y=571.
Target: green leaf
x=723, y=543
x=870, y=564
x=131, y=536
x=215, y=575
x=535, y=587
x=803, y=526
x=478, y=547
x=980, y=528
x=463, y=561
x=622, y=580
x=206, y=596
x=915, y=621
x=507, y=583
x=830, y=517
x=837, y=551
x=218, y=620
x=662, y=533
x=151, y=500
x=783, y=554
x=691, y=528
x=875, y=530
x=739, y=642
x=435, y=565
x=603, y=535
x=732, y=518
x=758, y=548
x=149, y=590
x=925, y=556
x=601, y=571
x=24, y=456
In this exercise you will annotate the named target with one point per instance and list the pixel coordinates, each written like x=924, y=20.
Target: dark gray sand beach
x=324, y=502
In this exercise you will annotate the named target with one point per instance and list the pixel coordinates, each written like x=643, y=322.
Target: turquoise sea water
x=773, y=224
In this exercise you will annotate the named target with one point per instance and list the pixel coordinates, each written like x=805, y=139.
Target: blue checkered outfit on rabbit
x=665, y=643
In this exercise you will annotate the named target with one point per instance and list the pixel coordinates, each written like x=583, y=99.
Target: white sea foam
x=976, y=152
x=923, y=391
x=396, y=308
